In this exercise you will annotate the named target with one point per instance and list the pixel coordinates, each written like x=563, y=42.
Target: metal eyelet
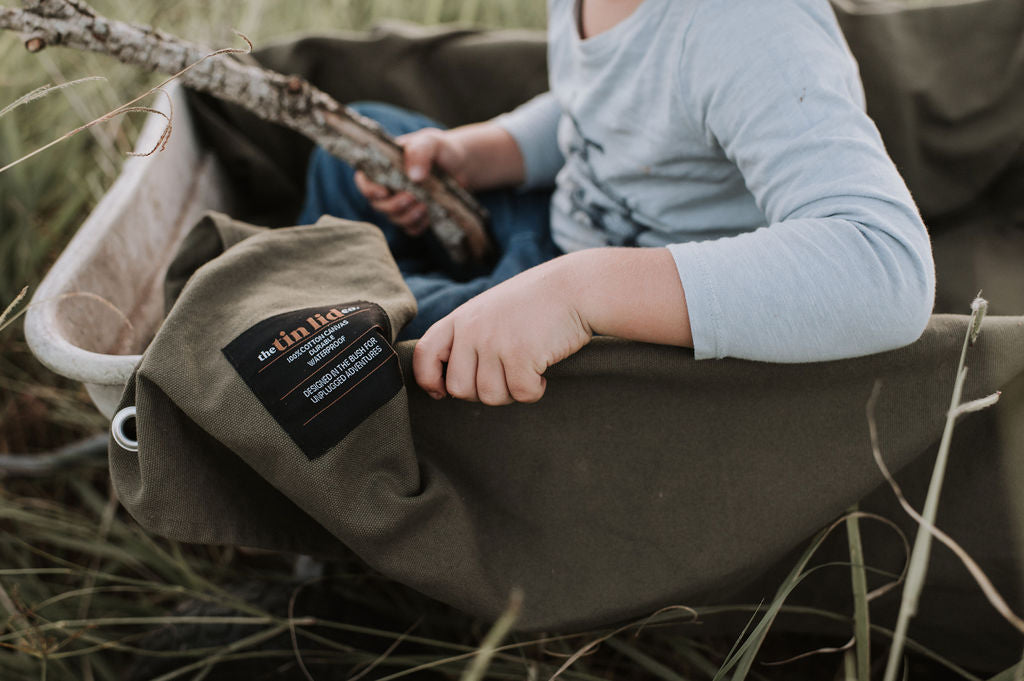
x=117, y=425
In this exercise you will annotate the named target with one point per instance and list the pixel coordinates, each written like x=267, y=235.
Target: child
x=727, y=135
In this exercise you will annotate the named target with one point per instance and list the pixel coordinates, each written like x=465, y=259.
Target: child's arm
x=843, y=264
x=499, y=344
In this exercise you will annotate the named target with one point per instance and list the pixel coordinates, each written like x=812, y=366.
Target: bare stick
x=456, y=218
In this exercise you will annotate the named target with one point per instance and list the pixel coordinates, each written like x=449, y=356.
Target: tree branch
x=456, y=218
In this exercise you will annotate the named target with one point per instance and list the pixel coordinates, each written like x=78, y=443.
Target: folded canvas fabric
x=272, y=412
x=643, y=478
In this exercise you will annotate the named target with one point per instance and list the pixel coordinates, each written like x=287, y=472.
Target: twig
x=92, y=449
x=456, y=218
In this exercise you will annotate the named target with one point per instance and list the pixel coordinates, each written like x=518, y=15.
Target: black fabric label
x=319, y=371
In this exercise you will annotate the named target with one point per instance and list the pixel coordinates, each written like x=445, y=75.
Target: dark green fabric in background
x=643, y=478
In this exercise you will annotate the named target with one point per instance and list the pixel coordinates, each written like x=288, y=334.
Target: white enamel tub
x=102, y=301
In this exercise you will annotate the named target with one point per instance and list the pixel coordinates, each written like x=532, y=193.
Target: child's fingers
x=396, y=205
x=412, y=220
x=429, y=356
x=490, y=381
x=420, y=151
x=418, y=222
x=411, y=217
x=460, y=379
x=524, y=384
x=369, y=188
x=402, y=208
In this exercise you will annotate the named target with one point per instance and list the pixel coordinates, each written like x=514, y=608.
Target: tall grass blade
x=17, y=618
x=743, y=657
x=43, y=91
x=919, y=556
x=692, y=656
x=478, y=667
x=374, y=663
x=131, y=107
x=850, y=666
x=1014, y=673
x=879, y=631
x=979, y=576
x=434, y=12
x=979, y=308
x=470, y=11
x=861, y=612
x=240, y=644
x=6, y=317
x=646, y=662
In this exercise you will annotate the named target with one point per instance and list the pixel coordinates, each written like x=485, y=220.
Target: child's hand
x=478, y=156
x=499, y=344
x=423, y=149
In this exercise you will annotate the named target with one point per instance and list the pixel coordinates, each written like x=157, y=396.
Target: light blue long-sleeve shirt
x=733, y=132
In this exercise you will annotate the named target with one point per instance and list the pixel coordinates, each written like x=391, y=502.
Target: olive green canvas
x=643, y=478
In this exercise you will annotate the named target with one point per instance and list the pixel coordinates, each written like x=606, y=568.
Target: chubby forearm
x=631, y=293
x=491, y=157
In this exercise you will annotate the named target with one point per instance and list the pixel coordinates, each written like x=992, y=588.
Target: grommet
x=117, y=429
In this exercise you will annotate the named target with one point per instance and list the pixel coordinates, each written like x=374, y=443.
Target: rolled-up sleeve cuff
x=701, y=299
x=534, y=127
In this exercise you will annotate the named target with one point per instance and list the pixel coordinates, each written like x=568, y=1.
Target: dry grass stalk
x=43, y=91
x=926, y=519
x=477, y=668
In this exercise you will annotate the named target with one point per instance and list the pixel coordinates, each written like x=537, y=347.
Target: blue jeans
x=519, y=228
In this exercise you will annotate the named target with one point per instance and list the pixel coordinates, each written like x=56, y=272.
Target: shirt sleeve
x=534, y=126
x=843, y=266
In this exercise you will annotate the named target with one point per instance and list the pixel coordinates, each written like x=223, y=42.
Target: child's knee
x=326, y=172
x=330, y=190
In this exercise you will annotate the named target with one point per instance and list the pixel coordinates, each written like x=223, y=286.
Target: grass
x=88, y=594
x=85, y=592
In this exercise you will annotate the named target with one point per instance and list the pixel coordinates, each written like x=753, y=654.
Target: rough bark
x=456, y=218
